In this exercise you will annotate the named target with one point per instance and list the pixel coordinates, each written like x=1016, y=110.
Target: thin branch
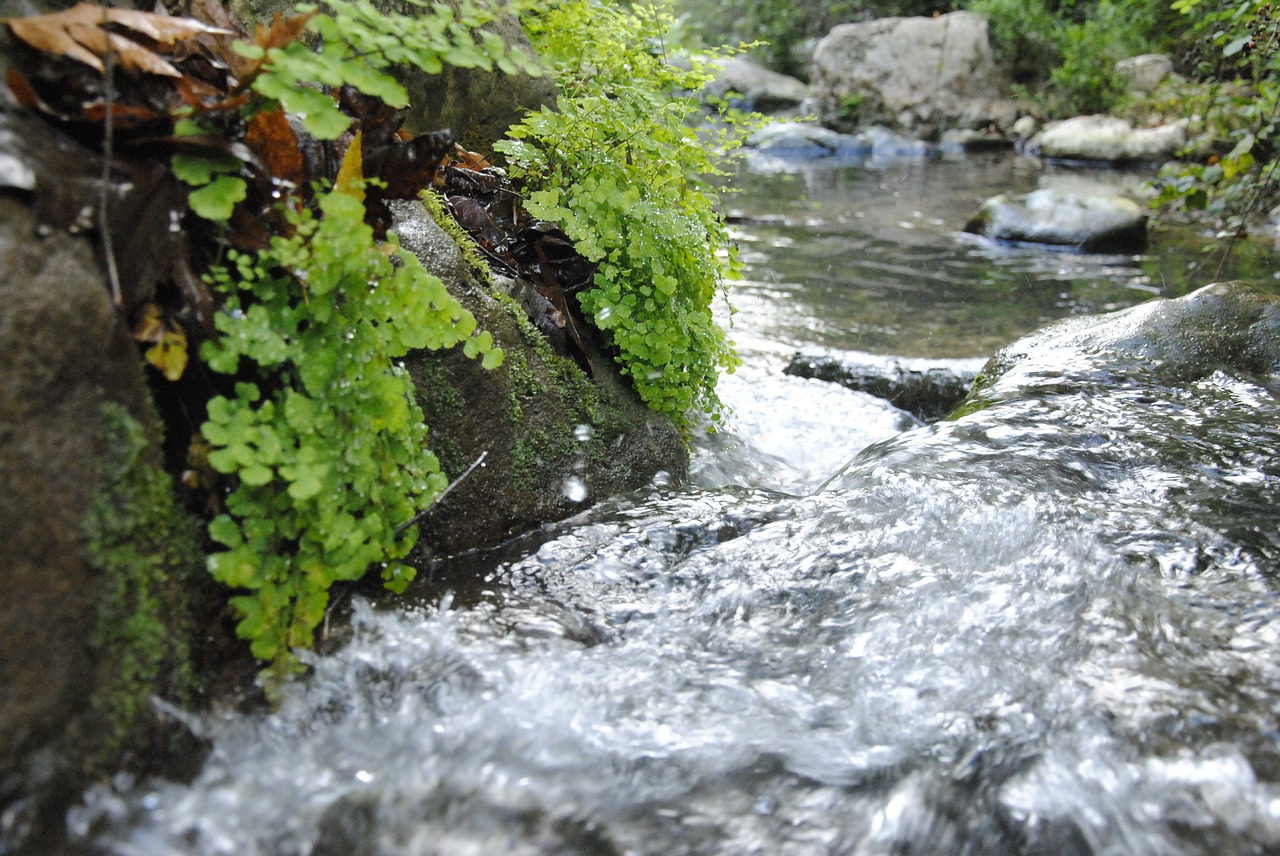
x=423, y=513
x=104, y=194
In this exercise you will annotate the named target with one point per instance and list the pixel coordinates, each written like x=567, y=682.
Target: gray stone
x=1144, y=73
x=1108, y=139
x=1221, y=327
x=757, y=87
x=1105, y=224
x=927, y=389
x=917, y=75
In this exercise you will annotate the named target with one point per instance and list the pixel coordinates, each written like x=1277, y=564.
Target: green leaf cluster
x=620, y=168
x=323, y=436
x=359, y=43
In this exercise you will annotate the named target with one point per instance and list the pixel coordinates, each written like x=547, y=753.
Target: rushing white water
x=1048, y=627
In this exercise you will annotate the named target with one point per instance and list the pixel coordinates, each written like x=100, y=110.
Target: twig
x=104, y=228
x=423, y=513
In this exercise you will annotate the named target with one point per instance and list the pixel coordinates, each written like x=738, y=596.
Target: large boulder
x=1096, y=224
x=1145, y=72
x=1229, y=327
x=1108, y=139
x=96, y=555
x=919, y=75
x=557, y=434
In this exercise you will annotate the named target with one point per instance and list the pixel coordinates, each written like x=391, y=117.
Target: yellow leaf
x=351, y=173
x=169, y=355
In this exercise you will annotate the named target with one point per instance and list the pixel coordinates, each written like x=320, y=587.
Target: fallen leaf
x=351, y=174
x=79, y=33
x=273, y=140
x=464, y=159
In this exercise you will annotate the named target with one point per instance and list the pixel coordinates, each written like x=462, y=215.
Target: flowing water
x=1049, y=627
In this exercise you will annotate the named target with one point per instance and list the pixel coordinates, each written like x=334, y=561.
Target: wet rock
x=1095, y=224
x=1108, y=139
x=927, y=389
x=94, y=549
x=754, y=87
x=558, y=437
x=807, y=141
x=1229, y=327
x=916, y=75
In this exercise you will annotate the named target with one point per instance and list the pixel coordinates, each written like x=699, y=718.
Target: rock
x=970, y=140
x=1144, y=73
x=757, y=87
x=557, y=439
x=806, y=140
x=1108, y=139
x=95, y=553
x=920, y=76
x=927, y=389
x=1096, y=224
x=1228, y=327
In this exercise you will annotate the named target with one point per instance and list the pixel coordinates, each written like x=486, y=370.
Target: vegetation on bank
x=314, y=451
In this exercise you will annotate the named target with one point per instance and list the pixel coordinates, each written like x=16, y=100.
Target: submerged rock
x=1108, y=139
x=927, y=389
x=918, y=75
x=1096, y=224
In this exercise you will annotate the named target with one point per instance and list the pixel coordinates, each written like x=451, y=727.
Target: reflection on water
x=875, y=260
x=1047, y=628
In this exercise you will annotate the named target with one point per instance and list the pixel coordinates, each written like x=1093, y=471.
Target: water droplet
x=583, y=433
x=604, y=314
x=364, y=776
x=661, y=478
x=574, y=489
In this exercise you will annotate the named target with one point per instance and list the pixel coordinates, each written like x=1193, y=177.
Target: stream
x=1049, y=627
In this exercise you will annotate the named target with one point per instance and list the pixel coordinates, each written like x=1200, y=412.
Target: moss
x=541, y=456
x=434, y=204
x=146, y=549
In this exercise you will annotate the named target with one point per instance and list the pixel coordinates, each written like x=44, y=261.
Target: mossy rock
x=555, y=439
x=96, y=557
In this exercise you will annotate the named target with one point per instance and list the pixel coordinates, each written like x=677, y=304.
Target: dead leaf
x=168, y=351
x=464, y=159
x=273, y=140
x=80, y=33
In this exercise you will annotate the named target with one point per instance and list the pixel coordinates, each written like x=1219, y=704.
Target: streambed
x=1049, y=627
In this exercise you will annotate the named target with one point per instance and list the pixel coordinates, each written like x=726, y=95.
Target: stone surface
x=68, y=358
x=757, y=87
x=927, y=389
x=1222, y=327
x=1144, y=73
x=1103, y=224
x=557, y=440
x=1108, y=139
x=921, y=76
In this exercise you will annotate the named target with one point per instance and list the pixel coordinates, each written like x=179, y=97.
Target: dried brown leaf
x=80, y=33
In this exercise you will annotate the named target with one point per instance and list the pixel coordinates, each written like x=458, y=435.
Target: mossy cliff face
x=93, y=547
x=556, y=439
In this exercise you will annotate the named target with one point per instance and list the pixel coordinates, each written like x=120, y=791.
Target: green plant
x=328, y=447
x=620, y=170
x=1237, y=103
x=323, y=441
x=359, y=45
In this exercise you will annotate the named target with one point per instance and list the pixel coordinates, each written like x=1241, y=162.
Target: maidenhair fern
x=328, y=447
x=622, y=171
